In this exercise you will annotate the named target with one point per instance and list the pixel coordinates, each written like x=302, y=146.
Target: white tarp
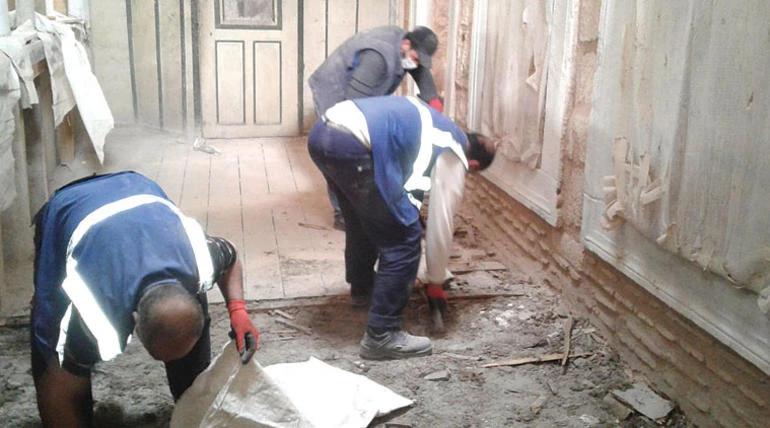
x=92, y=105
x=10, y=92
x=63, y=99
x=305, y=394
x=16, y=85
x=72, y=82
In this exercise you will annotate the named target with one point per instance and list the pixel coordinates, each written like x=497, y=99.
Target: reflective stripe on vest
x=430, y=137
x=81, y=297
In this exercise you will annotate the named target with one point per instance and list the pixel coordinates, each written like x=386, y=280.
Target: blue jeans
x=372, y=233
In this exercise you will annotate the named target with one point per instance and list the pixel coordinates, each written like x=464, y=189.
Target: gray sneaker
x=394, y=345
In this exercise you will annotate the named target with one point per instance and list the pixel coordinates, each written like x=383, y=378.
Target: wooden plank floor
x=265, y=195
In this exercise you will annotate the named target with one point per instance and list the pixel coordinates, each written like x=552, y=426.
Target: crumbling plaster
x=710, y=382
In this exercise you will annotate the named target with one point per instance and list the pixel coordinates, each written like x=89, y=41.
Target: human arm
x=229, y=277
x=369, y=73
x=63, y=399
x=64, y=391
x=428, y=92
x=447, y=185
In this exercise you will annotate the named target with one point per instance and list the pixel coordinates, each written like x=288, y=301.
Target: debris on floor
x=645, y=401
x=493, y=317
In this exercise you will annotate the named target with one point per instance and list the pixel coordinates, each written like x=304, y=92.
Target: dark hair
x=485, y=154
x=154, y=320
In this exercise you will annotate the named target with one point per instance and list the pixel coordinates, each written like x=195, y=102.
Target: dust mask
x=408, y=64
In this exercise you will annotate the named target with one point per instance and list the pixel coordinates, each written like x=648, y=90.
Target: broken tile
x=645, y=401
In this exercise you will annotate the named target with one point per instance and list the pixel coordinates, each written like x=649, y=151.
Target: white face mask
x=408, y=64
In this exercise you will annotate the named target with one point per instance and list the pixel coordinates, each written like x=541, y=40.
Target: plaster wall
x=143, y=55
x=111, y=58
x=711, y=383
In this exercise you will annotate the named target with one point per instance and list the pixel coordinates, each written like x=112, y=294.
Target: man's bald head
x=169, y=321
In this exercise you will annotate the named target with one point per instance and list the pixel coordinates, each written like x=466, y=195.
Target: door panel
x=248, y=68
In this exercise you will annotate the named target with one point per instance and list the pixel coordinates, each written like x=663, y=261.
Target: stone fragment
x=618, y=409
x=438, y=375
x=645, y=401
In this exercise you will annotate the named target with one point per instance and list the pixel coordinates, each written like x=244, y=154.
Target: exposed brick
x=638, y=349
x=689, y=369
x=606, y=302
x=721, y=413
x=561, y=261
x=517, y=225
x=684, y=380
x=649, y=338
x=609, y=287
x=604, y=317
x=722, y=368
x=677, y=357
x=575, y=275
x=698, y=338
x=700, y=401
x=748, y=416
x=665, y=332
x=603, y=277
x=759, y=397
x=537, y=229
x=531, y=235
x=690, y=349
x=643, y=317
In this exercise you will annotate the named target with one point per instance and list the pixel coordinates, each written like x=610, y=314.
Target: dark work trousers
x=372, y=232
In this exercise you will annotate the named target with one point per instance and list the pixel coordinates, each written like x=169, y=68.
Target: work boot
x=393, y=345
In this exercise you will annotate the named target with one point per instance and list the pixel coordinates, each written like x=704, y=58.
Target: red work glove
x=436, y=103
x=242, y=329
x=436, y=296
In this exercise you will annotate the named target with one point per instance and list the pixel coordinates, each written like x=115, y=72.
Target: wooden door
x=249, y=68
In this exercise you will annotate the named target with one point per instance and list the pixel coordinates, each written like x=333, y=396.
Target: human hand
x=242, y=330
x=436, y=296
x=436, y=104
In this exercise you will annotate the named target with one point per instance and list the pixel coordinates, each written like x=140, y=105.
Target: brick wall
x=712, y=385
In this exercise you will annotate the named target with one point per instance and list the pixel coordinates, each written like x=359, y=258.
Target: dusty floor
x=522, y=320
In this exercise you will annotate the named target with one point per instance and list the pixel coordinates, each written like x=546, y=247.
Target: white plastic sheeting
x=10, y=92
x=16, y=85
x=677, y=160
x=92, y=105
x=72, y=82
x=305, y=394
x=62, y=96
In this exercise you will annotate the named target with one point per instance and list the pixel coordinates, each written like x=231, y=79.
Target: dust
x=451, y=388
x=493, y=318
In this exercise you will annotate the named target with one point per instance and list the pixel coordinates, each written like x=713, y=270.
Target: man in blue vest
x=373, y=63
x=379, y=155
x=114, y=256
